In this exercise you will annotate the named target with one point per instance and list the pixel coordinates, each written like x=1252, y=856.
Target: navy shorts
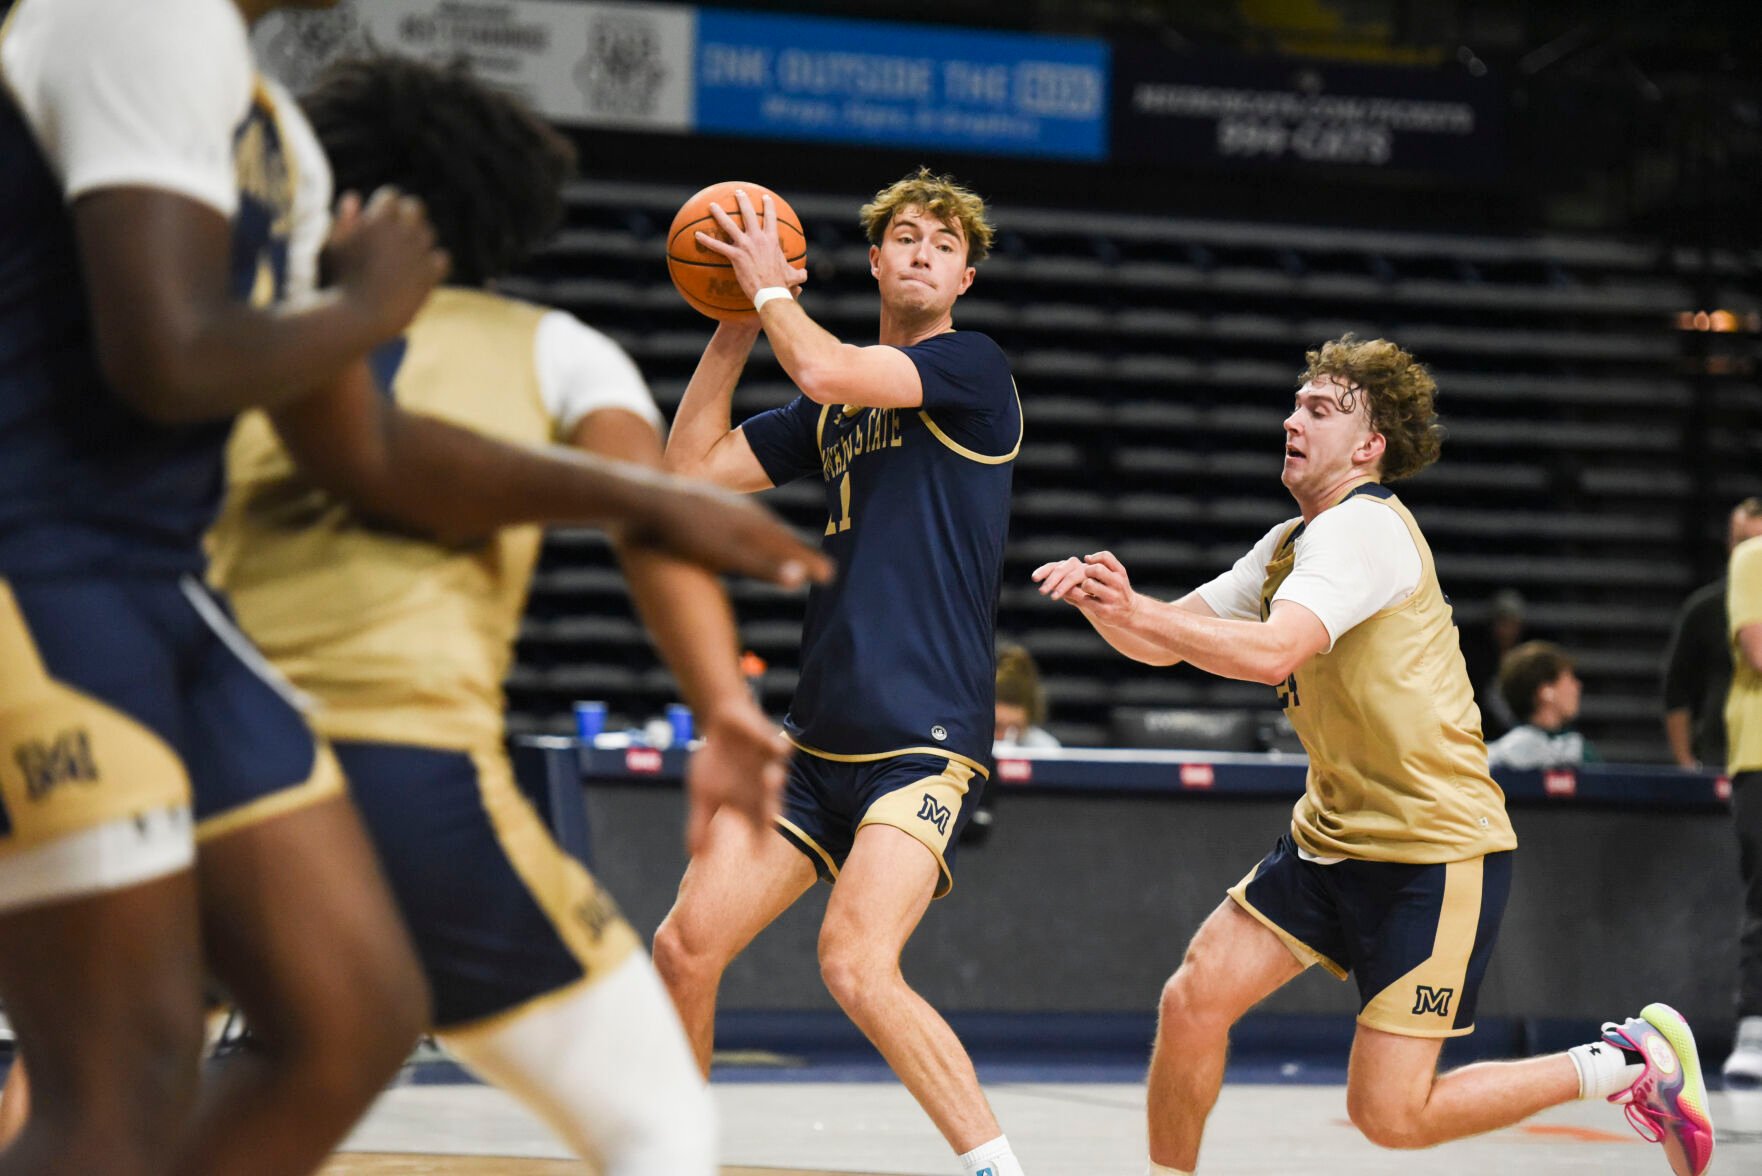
x=141, y=690
x=929, y=797
x=500, y=914
x=1417, y=938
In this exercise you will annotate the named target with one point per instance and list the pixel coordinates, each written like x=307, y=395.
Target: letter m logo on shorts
x=936, y=814
x=1432, y=1000
x=49, y=763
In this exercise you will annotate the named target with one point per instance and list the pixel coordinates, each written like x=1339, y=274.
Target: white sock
x=1605, y=1069
x=992, y=1159
x=1157, y=1169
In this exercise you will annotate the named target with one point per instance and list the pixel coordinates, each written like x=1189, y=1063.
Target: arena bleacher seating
x=1587, y=432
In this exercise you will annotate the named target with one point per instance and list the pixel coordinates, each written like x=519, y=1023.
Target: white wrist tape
x=768, y=293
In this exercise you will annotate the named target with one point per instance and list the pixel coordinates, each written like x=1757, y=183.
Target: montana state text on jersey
x=897, y=652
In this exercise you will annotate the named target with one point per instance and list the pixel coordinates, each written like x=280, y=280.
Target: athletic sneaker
x=1668, y=1103
x=1743, y=1069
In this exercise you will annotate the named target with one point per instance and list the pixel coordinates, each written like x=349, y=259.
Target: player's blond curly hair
x=1401, y=398
x=937, y=195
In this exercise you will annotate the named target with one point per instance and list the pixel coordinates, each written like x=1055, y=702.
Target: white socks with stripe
x=992, y=1159
x=1605, y=1069
x=1157, y=1169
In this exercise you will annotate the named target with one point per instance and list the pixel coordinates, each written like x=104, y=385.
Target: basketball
x=702, y=276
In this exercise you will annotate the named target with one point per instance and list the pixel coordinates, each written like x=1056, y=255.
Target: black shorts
x=929, y=797
x=499, y=913
x=124, y=693
x=1417, y=938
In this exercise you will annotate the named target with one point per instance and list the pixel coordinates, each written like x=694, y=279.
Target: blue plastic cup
x=590, y=720
x=679, y=718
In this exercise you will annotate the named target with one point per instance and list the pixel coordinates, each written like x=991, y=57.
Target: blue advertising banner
x=855, y=81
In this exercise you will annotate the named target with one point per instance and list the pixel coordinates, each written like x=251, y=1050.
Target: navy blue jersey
x=898, y=652
x=86, y=483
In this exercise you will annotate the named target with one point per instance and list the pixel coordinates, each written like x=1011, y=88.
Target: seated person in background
x=1539, y=685
x=1484, y=647
x=1021, y=700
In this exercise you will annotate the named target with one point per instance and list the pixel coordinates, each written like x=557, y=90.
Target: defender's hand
x=1105, y=591
x=752, y=249
x=742, y=765
x=383, y=257
x=1059, y=578
x=727, y=533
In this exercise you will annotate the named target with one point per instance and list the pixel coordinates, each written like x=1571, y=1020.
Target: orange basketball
x=704, y=277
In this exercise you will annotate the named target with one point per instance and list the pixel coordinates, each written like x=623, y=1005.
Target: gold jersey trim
x=872, y=756
x=970, y=455
x=820, y=427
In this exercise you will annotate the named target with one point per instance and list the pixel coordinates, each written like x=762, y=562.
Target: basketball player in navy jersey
x=914, y=440
x=164, y=212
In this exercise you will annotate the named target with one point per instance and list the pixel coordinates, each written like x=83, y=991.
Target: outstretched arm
x=826, y=371
x=686, y=612
x=457, y=486
x=1266, y=651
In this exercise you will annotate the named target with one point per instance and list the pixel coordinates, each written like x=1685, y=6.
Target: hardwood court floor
x=1059, y=1129
x=397, y=1165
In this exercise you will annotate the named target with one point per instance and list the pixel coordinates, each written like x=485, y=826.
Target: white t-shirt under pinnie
x=1353, y=561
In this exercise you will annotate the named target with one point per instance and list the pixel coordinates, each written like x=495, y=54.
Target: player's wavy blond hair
x=937, y=195
x=1401, y=398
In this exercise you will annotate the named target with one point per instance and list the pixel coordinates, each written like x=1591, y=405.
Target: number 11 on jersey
x=842, y=523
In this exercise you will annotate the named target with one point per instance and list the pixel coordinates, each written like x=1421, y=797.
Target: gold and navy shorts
x=133, y=703
x=1417, y=938
x=929, y=797
x=500, y=914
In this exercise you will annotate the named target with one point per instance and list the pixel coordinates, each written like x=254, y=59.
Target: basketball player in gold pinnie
x=538, y=983
x=1398, y=861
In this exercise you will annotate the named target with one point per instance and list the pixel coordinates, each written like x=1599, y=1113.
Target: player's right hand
x=383, y=257
x=727, y=533
x=741, y=765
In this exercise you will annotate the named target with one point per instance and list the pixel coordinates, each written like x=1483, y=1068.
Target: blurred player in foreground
x=165, y=210
x=1398, y=862
x=539, y=985
x=914, y=440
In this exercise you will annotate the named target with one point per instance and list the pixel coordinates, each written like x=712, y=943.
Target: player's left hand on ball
x=752, y=248
x=741, y=765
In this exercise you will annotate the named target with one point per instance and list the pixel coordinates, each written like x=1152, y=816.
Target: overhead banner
x=1181, y=110
x=874, y=82
x=625, y=65
x=681, y=69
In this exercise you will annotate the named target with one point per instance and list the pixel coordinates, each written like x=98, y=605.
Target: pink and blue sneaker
x=1667, y=1104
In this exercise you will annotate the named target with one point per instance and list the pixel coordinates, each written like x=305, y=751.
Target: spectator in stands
x=1697, y=666
x=1743, y=729
x=1021, y=700
x=1484, y=647
x=1538, y=682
